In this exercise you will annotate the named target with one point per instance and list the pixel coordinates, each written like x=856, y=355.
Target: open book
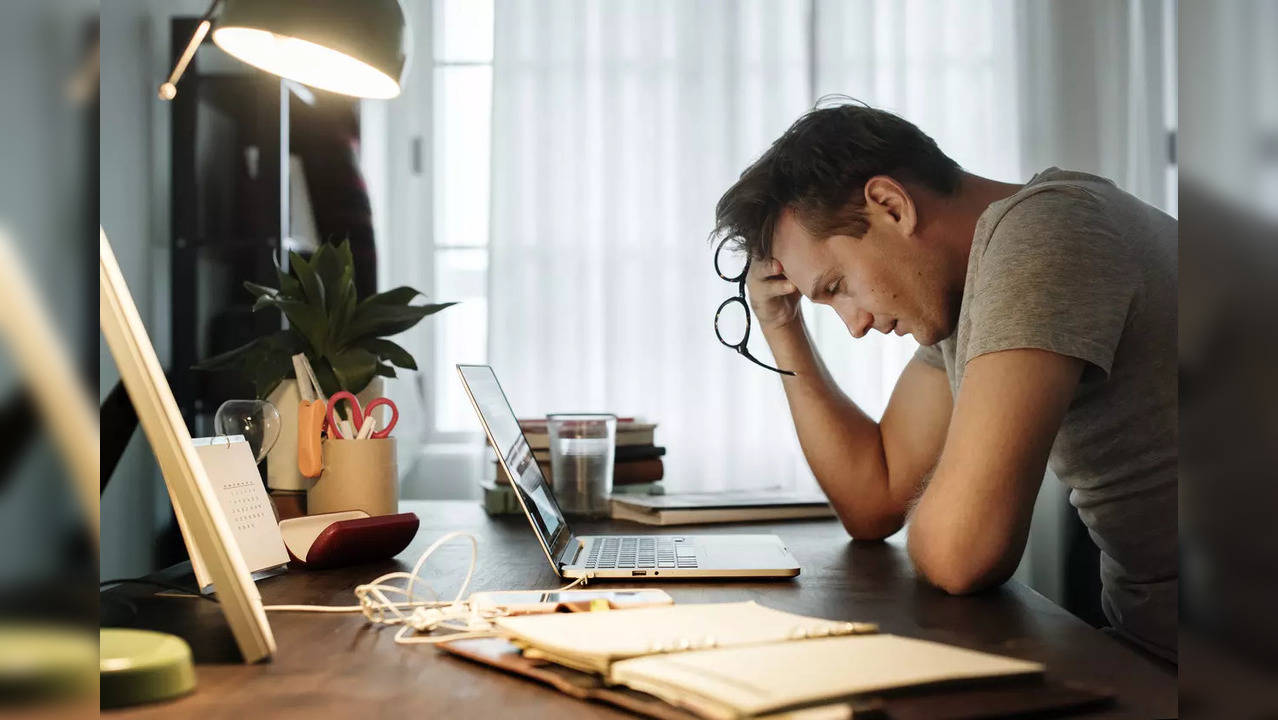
x=734, y=660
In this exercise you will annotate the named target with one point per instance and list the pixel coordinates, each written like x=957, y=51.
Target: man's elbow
x=956, y=570
x=960, y=580
x=871, y=526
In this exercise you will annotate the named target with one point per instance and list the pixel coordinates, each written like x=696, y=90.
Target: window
x=462, y=77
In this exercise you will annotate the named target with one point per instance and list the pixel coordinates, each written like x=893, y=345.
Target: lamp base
x=141, y=666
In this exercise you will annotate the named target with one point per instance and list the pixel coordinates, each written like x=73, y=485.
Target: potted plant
x=343, y=336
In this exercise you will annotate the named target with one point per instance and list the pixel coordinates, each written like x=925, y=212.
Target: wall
x=134, y=203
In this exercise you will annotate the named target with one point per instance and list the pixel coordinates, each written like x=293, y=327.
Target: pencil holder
x=358, y=475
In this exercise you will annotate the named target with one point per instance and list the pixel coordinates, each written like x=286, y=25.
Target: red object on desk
x=346, y=538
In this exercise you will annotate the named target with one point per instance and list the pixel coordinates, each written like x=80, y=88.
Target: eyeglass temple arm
x=752, y=359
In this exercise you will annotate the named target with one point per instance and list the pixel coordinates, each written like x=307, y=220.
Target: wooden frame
x=204, y=526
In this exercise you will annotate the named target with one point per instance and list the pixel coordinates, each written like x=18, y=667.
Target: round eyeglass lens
x=729, y=262
x=731, y=322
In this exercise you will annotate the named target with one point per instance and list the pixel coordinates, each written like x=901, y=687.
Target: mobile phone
x=536, y=601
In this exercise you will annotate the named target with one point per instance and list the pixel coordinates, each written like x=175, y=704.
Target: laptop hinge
x=571, y=549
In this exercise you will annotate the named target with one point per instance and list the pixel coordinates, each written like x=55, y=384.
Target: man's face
x=886, y=280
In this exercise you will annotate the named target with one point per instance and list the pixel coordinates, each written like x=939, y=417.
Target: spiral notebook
x=738, y=660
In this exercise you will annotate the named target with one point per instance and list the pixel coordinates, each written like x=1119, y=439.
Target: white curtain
x=1097, y=90
x=948, y=67
x=616, y=127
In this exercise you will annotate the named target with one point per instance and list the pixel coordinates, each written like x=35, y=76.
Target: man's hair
x=819, y=168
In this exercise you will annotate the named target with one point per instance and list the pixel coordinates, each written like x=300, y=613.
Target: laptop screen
x=508, y=440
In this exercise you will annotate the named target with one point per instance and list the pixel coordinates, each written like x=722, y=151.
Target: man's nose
x=859, y=322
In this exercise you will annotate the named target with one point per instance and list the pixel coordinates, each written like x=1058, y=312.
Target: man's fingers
x=774, y=285
x=769, y=269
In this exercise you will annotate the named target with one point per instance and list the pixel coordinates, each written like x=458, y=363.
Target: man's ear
x=888, y=197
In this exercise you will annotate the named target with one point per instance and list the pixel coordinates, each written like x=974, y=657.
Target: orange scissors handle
x=310, y=423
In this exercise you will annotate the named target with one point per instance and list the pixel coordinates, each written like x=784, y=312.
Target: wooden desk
x=338, y=666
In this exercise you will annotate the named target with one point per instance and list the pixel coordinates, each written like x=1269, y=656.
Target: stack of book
x=637, y=469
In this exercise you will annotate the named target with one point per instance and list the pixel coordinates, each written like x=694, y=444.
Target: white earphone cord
x=425, y=616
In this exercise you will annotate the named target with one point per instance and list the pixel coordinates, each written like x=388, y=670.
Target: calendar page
x=228, y=461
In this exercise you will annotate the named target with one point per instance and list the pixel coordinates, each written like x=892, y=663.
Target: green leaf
x=264, y=362
x=324, y=374
x=259, y=290
x=270, y=371
x=330, y=263
x=389, y=351
x=290, y=288
x=306, y=319
x=311, y=284
x=378, y=320
x=385, y=370
x=354, y=368
x=346, y=311
x=265, y=301
x=341, y=304
x=399, y=296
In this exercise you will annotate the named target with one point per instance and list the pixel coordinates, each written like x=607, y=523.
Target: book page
x=766, y=678
x=597, y=638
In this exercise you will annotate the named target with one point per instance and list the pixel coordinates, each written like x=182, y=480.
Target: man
x=1046, y=313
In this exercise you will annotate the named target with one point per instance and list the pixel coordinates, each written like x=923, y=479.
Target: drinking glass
x=582, y=450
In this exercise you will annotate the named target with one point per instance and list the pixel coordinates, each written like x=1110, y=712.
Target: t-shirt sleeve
x=1055, y=276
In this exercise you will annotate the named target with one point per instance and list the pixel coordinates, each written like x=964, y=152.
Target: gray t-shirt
x=1073, y=265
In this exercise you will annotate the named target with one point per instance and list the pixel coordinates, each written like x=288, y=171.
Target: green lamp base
x=141, y=666
x=41, y=663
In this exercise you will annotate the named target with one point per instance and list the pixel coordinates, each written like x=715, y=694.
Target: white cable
x=459, y=617
x=422, y=615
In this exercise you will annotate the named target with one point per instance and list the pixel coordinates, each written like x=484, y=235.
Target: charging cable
x=418, y=616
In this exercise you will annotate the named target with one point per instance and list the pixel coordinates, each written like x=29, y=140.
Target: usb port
x=638, y=572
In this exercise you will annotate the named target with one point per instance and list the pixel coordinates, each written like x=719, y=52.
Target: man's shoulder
x=1057, y=270
x=1052, y=204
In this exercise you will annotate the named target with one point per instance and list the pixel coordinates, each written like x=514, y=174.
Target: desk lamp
x=352, y=48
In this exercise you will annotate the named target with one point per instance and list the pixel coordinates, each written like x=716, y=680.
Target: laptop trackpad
x=742, y=551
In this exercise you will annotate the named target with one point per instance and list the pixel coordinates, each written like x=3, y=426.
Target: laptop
x=632, y=557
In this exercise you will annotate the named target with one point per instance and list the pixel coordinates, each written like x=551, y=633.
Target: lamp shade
x=344, y=46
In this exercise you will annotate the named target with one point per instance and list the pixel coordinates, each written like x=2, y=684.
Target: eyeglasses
x=732, y=319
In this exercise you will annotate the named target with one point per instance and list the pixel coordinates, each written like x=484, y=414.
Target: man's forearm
x=842, y=445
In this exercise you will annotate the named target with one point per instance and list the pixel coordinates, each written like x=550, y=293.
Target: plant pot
x=281, y=461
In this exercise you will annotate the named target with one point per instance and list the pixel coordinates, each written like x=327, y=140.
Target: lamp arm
x=168, y=89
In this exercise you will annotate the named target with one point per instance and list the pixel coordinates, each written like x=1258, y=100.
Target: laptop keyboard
x=639, y=553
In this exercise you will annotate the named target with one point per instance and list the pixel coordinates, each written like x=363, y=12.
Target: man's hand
x=774, y=298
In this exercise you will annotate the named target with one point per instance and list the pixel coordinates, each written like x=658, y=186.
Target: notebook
x=738, y=660
x=716, y=507
x=594, y=641
x=755, y=680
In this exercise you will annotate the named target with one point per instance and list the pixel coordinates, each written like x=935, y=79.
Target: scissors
x=358, y=414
